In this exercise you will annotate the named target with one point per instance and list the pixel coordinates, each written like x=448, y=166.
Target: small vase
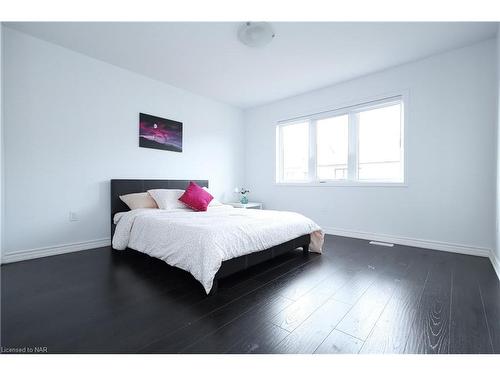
x=243, y=199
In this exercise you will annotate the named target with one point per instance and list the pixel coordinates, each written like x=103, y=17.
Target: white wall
x=496, y=254
x=1, y=144
x=71, y=124
x=450, y=142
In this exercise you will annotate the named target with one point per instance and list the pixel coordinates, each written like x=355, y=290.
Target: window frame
x=351, y=110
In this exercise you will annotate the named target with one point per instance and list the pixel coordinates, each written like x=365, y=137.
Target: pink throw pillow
x=196, y=198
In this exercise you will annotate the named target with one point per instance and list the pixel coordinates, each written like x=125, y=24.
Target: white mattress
x=199, y=242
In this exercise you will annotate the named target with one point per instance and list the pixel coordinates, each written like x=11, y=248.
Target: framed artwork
x=160, y=133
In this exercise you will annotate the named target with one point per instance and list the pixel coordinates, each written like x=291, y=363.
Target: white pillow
x=167, y=199
x=138, y=200
x=214, y=202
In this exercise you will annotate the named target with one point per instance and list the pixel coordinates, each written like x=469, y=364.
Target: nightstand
x=253, y=205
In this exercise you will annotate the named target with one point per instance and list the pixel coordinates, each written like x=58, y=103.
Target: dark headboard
x=121, y=187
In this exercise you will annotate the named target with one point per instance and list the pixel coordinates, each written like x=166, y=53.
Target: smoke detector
x=256, y=34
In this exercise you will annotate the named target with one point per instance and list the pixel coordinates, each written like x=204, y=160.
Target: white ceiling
x=207, y=59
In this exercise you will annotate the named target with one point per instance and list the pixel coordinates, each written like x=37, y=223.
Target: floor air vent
x=381, y=243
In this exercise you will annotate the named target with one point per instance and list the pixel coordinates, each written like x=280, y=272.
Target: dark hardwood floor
x=355, y=298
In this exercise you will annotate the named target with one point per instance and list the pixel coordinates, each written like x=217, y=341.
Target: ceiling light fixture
x=256, y=34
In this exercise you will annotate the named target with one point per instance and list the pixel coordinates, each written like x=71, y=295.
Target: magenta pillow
x=196, y=198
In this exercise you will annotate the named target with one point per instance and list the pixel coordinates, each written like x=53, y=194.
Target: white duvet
x=198, y=242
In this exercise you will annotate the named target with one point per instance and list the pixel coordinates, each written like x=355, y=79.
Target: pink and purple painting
x=160, y=133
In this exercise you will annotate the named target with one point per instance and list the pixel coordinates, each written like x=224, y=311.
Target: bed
x=210, y=245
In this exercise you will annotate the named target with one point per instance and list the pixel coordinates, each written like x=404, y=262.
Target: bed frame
x=228, y=267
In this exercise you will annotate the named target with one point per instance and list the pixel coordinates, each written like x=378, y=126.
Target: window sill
x=342, y=184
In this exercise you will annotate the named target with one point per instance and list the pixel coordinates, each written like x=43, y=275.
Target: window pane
x=295, y=144
x=332, y=148
x=380, y=144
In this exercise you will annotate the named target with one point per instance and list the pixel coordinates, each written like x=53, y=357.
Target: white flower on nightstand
x=243, y=192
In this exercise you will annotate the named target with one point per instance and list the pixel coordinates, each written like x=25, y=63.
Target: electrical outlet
x=73, y=216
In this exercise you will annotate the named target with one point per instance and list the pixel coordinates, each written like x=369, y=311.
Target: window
x=379, y=135
x=332, y=141
x=295, y=148
x=359, y=144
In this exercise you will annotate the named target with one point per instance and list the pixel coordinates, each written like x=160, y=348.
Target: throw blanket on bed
x=198, y=242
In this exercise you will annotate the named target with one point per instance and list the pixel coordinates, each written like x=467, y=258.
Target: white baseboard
x=426, y=244
x=17, y=256
x=496, y=263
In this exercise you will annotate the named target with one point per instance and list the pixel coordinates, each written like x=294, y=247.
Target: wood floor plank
x=430, y=331
x=291, y=317
x=239, y=329
x=260, y=341
x=394, y=325
x=309, y=277
x=357, y=286
x=291, y=311
x=491, y=303
x=489, y=288
x=177, y=340
x=468, y=326
x=311, y=333
x=294, y=265
x=339, y=343
x=361, y=319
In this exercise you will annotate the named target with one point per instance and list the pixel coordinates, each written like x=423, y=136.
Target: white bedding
x=199, y=242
